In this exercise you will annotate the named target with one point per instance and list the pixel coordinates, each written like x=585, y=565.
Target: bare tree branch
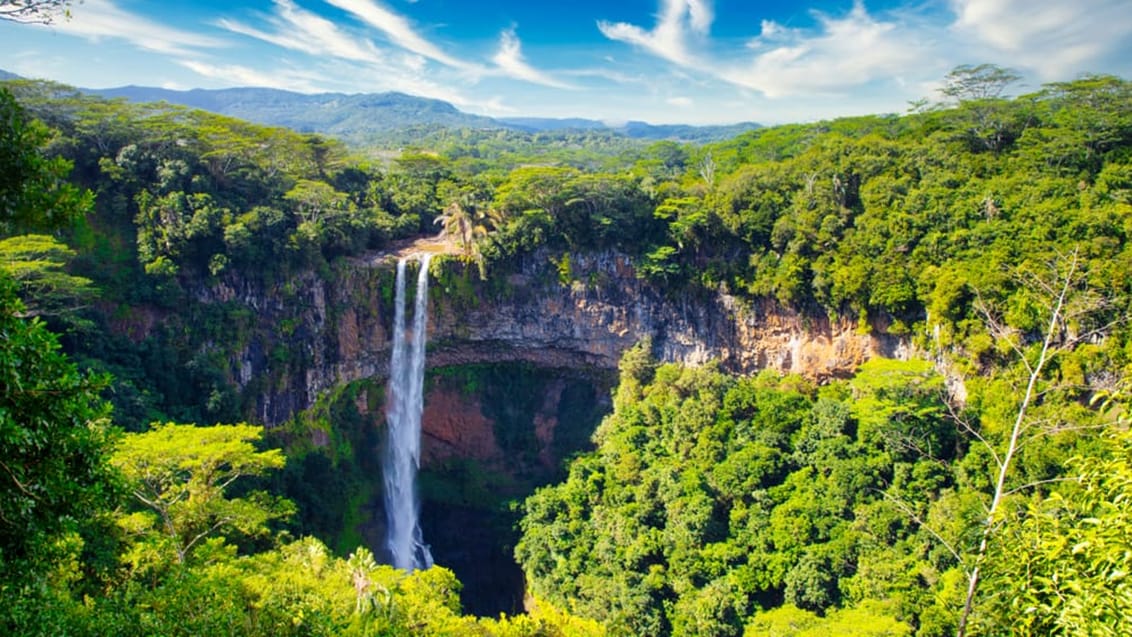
x=1053, y=330
x=34, y=11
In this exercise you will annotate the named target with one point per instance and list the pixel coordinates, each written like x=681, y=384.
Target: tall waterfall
x=403, y=449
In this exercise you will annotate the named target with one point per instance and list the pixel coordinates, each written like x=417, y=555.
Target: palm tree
x=467, y=219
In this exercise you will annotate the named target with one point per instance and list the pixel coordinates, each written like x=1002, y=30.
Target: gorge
x=520, y=372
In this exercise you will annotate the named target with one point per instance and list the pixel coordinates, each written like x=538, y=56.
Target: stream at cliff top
x=404, y=539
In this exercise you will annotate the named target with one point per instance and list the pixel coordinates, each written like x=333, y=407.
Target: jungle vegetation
x=981, y=488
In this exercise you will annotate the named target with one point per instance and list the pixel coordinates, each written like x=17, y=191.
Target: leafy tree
x=871, y=620
x=1069, y=312
x=55, y=442
x=1061, y=567
x=34, y=193
x=978, y=82
x=36, y=263
x=468, y=217
x=180, y=475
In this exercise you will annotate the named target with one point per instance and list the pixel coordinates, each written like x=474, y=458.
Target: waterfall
x=403, y=448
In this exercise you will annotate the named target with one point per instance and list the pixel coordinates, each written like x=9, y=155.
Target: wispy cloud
x=1050, y=37
x=509, y=60
x=332, y=76
x=98, y=19
x=400, y=32
x=837, y=54
x=841, y=53
x=346, y=61
x=238, y=75
x=668, y=38
x=301, y=30
x=606, y=75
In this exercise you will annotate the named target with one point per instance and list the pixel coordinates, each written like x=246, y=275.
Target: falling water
x=403, y=450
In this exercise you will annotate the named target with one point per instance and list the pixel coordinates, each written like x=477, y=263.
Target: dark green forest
x=979, y=487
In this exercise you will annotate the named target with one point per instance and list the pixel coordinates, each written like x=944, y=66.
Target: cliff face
x=336, y=329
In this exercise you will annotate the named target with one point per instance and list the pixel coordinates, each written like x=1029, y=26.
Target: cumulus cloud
x=301, y=30
x=668, y=39
x=97, y=19
x=1050, y=37
x=509, y=60
x=841, y=53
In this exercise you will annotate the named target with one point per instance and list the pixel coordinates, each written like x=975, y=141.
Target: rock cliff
x=335, y=327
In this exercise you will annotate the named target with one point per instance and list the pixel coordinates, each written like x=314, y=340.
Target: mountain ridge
x=351, y=116
x=389, y=118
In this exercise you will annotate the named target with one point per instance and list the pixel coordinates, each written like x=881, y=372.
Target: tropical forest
x=863, y=376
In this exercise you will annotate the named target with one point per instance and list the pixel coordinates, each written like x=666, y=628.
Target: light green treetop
x=181, y=472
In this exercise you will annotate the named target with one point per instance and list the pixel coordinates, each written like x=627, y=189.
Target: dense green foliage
x=710, y=495
x=711, y=498
x=54, y=445
x=1062, y=565
x=34, y=193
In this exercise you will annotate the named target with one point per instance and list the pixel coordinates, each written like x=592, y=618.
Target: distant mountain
x=371, y=117
x=684, y=132
x=540, y=124
x=388, y=118
x=356, y=118
x=636, y=130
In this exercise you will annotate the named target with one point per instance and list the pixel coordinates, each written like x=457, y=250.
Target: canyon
x=521, y=365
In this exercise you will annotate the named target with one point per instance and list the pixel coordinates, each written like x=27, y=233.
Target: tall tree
x=1070, y=320
x=54, y=441
x=978, y=82
x=36, y=262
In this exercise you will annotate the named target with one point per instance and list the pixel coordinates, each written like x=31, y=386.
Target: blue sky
x=662, y=61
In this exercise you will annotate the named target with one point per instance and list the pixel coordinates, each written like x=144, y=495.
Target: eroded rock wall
x=335, y=329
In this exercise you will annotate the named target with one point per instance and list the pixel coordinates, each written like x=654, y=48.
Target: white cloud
x=680, y=102
x=842, y=53
x=668, y=38
x=606, y=75
x=98, y=19
x=838, y=54
x=701, y=14
x=338, y=76
x=300, y=30
x=238, y=75
x=509, y=60
x=400, y=32
x=1051, y=37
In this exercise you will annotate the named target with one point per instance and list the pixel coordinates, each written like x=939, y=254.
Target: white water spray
x=403, y=449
